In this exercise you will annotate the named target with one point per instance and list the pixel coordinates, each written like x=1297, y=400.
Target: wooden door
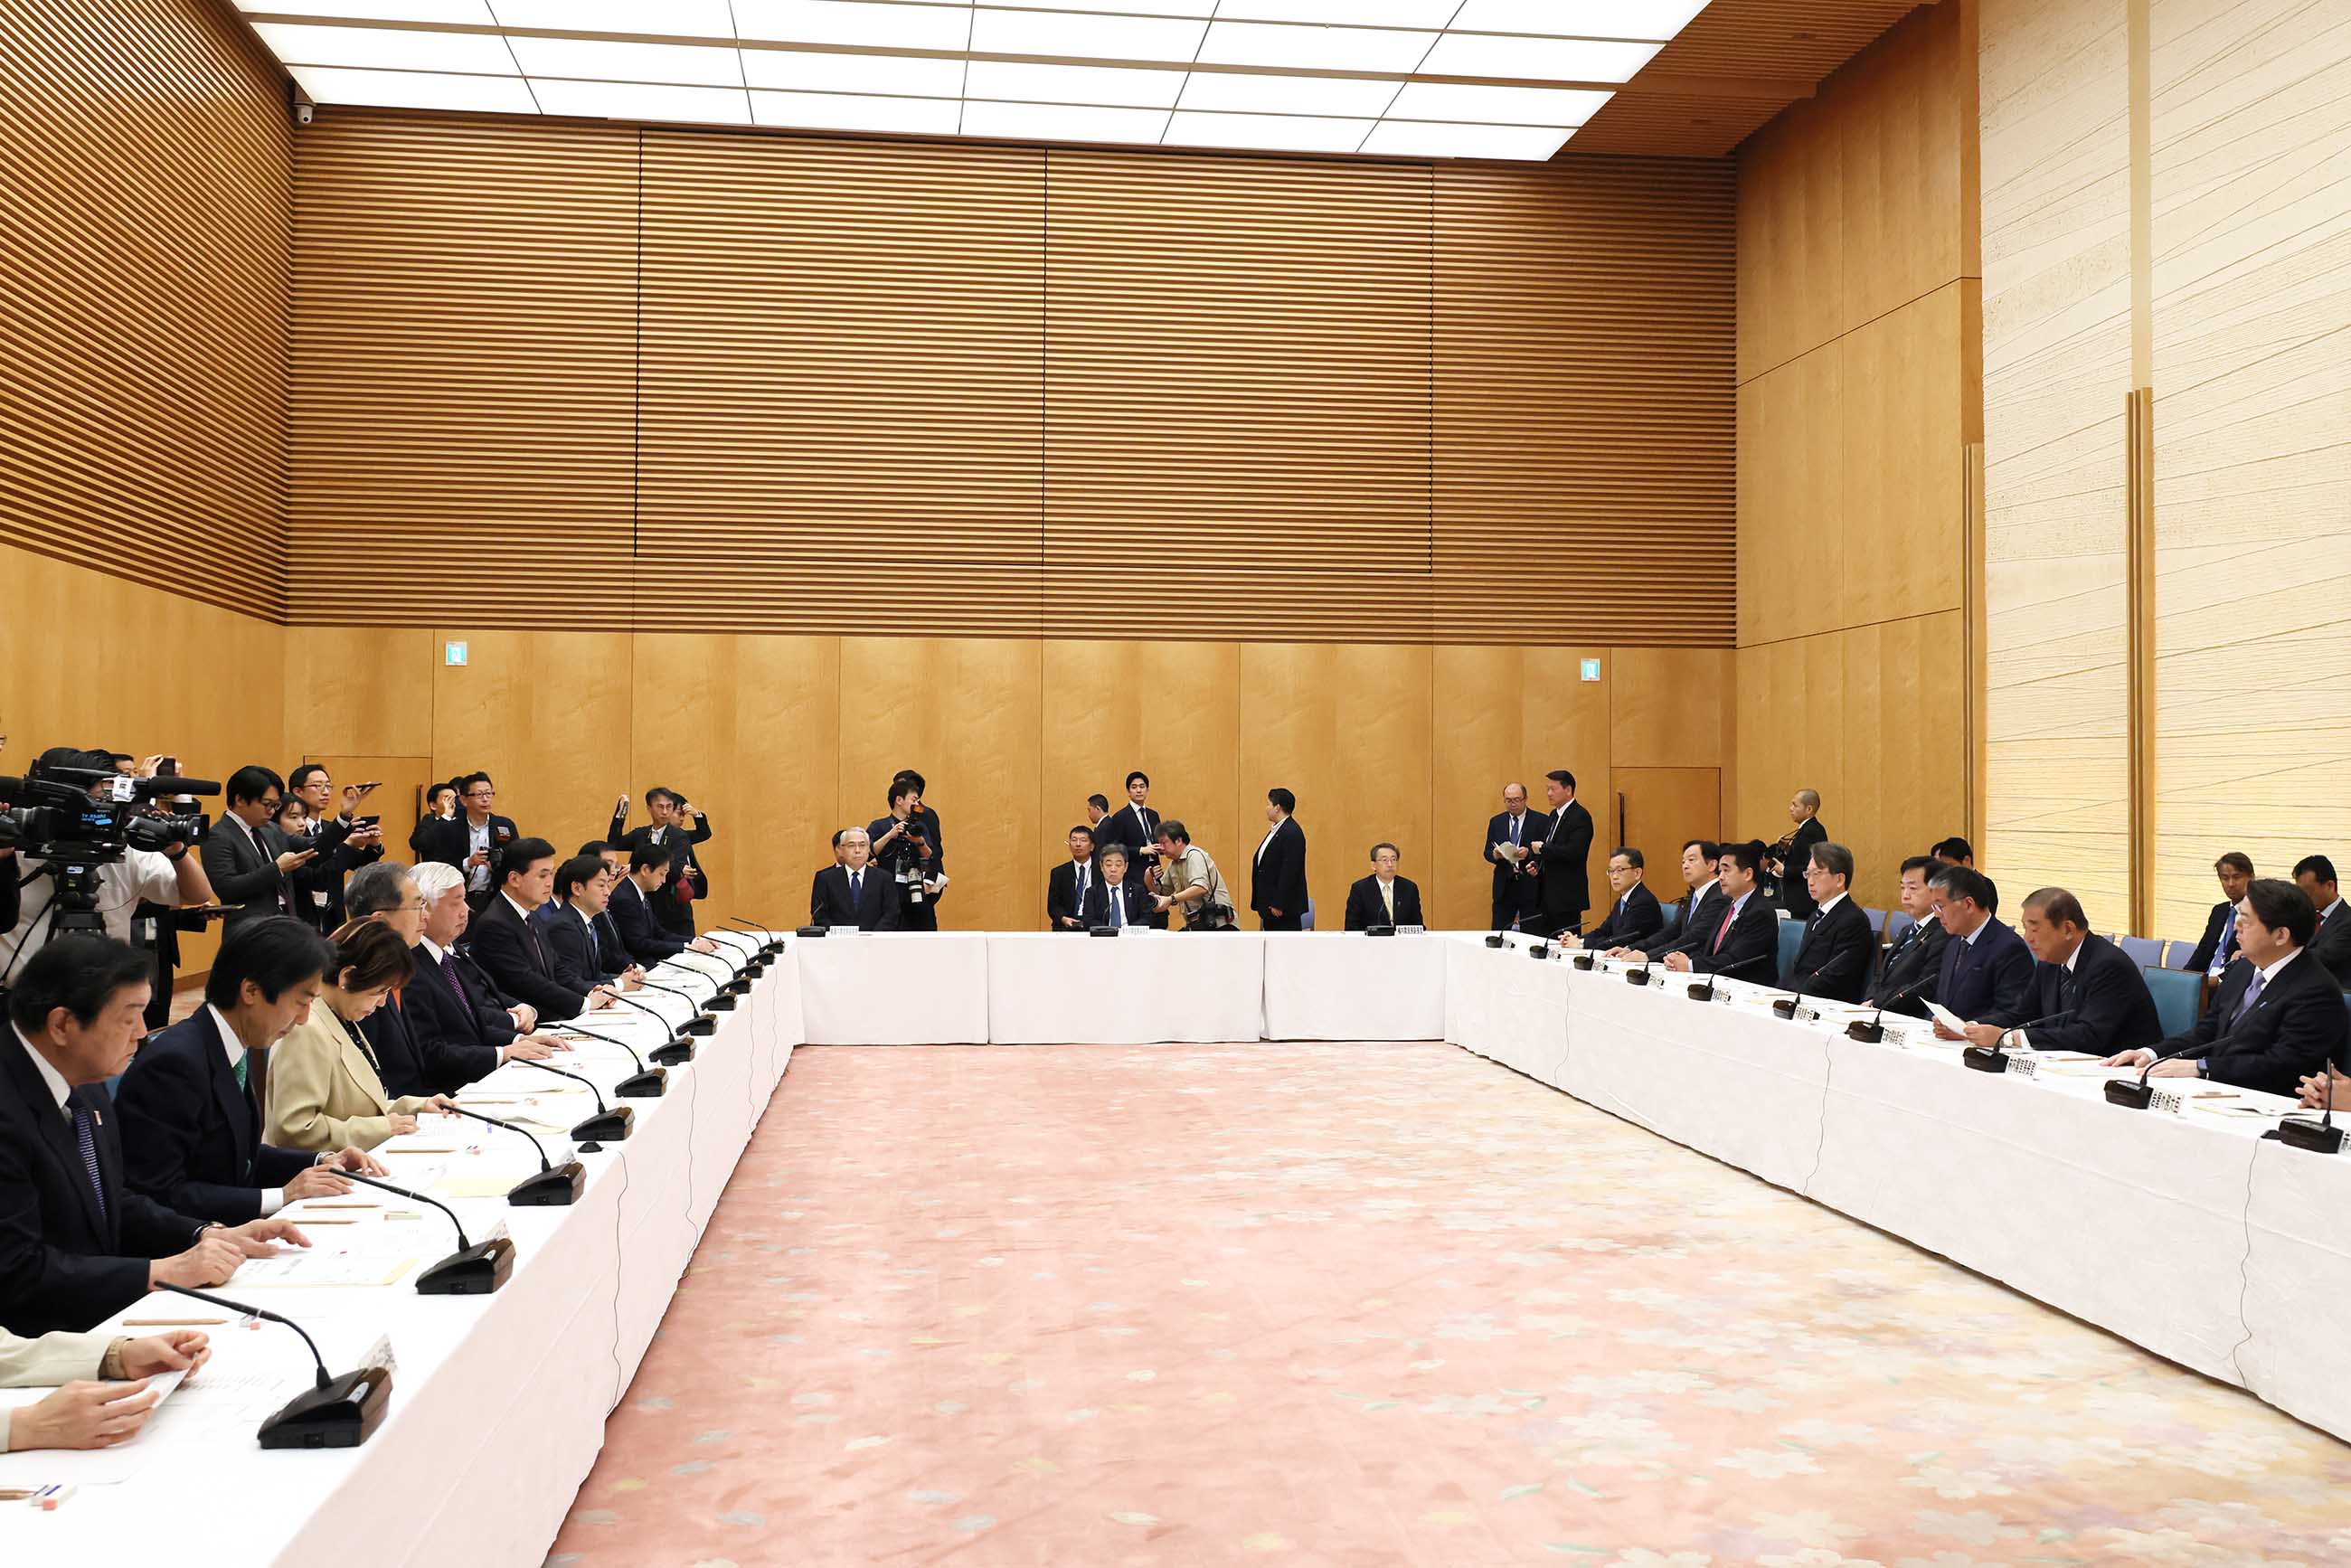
x=399, y=799
x=1658, y=809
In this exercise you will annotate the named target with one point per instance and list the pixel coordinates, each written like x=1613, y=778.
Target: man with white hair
x=462, y=1028
x=854, y=893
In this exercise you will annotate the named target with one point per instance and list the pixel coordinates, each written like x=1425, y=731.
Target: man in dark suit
x=2278, y=1018
x=1115, y=899
x=458, y=1027
x=1804, y=809
x=1068, y=884
x=191, y=1116
x=474, y=839
x=642, y=933
x=616, y=872
x=2217, y=948
x=854, y=893
x=507, y=947
x=1986, y=974
x=1384, y=898
x=1562, y=866
x=2330, y=943
x=1953, y=850
x=1634, y=918
x=1136, y=826
x=1696, y=909
x=900, y=849
x=1839, y=949
x=344, y=843
x=76, y=1243
x=1511, y=835
x=566, y=925
x=1738, y=935
x=245, y=855
x=2088, y=995
x=1914, y=960
x=678, y=826
x=1277, y=873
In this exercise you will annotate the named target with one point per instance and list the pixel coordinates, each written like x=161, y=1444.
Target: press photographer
x=906, y=851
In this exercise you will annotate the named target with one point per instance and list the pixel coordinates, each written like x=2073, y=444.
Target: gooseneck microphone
x=647, y=1084
x=767, y=943
x=675, y=1051
x=701, y=1024
x=607, y=1123
x=2139, y=1095
x=554, y=1186
x=470, y=1271
x=2320, y=1138
x=1992, y=1058
x=1786, y=1007
x=338, y=1413
x=725, y=986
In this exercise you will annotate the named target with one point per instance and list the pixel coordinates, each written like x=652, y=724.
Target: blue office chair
x=1673, y=914
x=1896, y=924
x=1792, y=937
x=2176, y=994
x=2144, y=951
x=1877, y=920
x=1309, y=913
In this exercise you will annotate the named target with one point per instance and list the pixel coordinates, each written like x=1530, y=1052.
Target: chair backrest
x=2176, y=994
x=1877, y=920
x=1672, y=913
x=1896, y=924
x=2176, y=952
x=1792, y=937
x=1308, y=925
x=2144, y=951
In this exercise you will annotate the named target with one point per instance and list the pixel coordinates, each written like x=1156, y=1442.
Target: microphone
x=1705, y=993
x=723, y=992
x=1640, y=976
x=767, y=943
x=701, y=1024
x=2138, y=1096
x=674, y=1052
x=555, y=1187
x=605, y=1123
x=1785, y=1006
x=338, y=1413
x=755, y=956
x=2320, y=1138
x=648, y=1084
x=470, y=1271
x=1992, y=1058
x=1872, y=1029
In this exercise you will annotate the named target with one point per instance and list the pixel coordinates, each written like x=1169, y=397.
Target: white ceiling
x=1434, y=79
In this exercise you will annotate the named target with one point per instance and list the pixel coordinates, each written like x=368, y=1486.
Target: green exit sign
x=453, y=654
x=1590, y=669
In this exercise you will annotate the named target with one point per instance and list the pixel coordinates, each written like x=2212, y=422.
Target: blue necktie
x=2245, y=1002
x=1117, y=905
x=856, y=889
x=85, y=1135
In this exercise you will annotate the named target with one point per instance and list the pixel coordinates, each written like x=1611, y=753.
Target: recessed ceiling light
x=463, y=12
x=1314, y=49
x=1655, y=20
x=1063, y=123
x=387, y=49
x=1422, y=139
x=588, y=59
x=853, y=111
x=1122, y=7
x=862, y=22
x=1497, y=105
x=1350, y=13
x=1536, y=59
x=1279, y=132
x=661, y=18
x=415, y=90
x=799, y=71
x=641, y=101
x=1069, y=35
x=1351, y=96
x=1109, y=85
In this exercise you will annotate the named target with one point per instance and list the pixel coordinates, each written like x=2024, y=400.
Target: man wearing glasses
x=473, y=840
x=248, y=860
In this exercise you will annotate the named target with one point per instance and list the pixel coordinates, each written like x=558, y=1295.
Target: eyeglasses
x=416, y=907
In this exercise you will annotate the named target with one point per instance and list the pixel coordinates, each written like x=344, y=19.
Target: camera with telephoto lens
x=77, y=819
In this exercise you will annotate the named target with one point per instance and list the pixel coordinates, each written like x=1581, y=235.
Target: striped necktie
x=86, y=1136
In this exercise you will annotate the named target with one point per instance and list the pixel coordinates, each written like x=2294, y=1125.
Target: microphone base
x=1539, y=950
x=1585, y=962
x=1101, y=930
x=723, y=1002
x=556, y=1188
x=736, y=988
x=1869, y=1031
x=677, y=1053
x=1987, y=1059
x=702, y=1027
x=1379, y=930
x=342, y=1415
x=1702, y=993
x=2302, y=1132
x=1497, y=940
x=606, y=1126
x=475, y=1270
x=1785, y=1007
x=2136, y=1092
x=1636, y=976
x=650, y=1084
x=810, y=931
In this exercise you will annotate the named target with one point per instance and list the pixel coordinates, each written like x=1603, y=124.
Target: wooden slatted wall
x=142, y=304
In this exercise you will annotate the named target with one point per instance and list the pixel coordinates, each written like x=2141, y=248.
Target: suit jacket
x=243, y=873
x=581, y=964
x=318, y=887
x=673, y=914
x=2211, y=943
x=830, y=903
x=1564, y=885
x=2331, y=946
x=325, y=1092
x=2294, y=1027
x=65, y=1261
x=1365, y=908
x=1631, y=921
x=1063, y=899
x=1278, y=874
x=642, y=933
x=1697, y=926
x=192, y=1137
x=454, y=1042
x=1750, y=949
x=1794, y=897
x=1533, y=826
x=1121, y=827
x=452, y=841
x=2107, y=996
x=1914, y=964
x=1837, y=953
x=1989, y=981
x=50, y=1360
x=1131, y=894
x=510, y=950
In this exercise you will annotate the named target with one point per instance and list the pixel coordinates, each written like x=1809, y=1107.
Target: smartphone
x=169, y=768
x=361, y=824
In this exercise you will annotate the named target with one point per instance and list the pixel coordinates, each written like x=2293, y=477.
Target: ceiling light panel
x=415, y=90
x=1431, y=14
x=1124, y=7
x=1110, y=86
x=1229, y=92
x=641, y=101
x=793, y=70
x=1065, y=34
x=853, y=112
x=1063, y=123
x=1497, y=105
x=460, y=13
x=1655, y=20
x=657, y=18
x=387, y=49
x=1278, y=132
x=856, y=22
x=1414, y=138
x=1536, y=59
x=585, y=60
x=1314, y=49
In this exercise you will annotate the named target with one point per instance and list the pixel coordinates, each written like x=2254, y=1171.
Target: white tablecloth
x=498, y=1404
x=1347, y=986
x=1149, y=987
x=894, y=988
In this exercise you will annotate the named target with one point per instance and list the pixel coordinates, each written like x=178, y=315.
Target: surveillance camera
x=304, y=114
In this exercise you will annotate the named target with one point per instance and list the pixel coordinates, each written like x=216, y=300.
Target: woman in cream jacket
x=326, y=1088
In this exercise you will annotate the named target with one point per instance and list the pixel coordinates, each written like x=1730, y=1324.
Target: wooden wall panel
x=1583, y=454
x=842, y=382
x=362, y=691
x=1793, y=736
x=1791, y=248
x=142, y=307
x=1792, y=503
x=1905, y=118
x=464, y=371
x=1670, y=707
x=1905, y=749
x=1905, y=392
x=547, y=715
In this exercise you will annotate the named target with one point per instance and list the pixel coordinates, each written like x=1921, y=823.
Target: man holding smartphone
x=343, y=842
x=679, y=826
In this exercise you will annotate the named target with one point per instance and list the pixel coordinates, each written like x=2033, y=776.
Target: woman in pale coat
x=326, y=1087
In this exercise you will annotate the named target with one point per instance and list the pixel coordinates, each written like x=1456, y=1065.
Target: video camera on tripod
x=76, y=821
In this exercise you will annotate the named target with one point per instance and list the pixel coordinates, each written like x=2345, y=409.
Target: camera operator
x=170, y=873
x=905, y=853
x=344, y=843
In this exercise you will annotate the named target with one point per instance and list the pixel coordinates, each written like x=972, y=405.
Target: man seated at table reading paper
x=854, y=893
x=2087, y=993
x=1114, y=899
x=2278, y=1018
x=1634, y=918
x=1986, y=974
x=1384, y=898
x=94, y=1407
x=1744, y=943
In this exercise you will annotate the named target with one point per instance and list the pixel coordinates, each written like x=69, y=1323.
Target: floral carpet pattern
x=1076, y=1307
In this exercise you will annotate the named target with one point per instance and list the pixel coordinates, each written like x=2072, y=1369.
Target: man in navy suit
x=854, y=893
x=1563, y=882
x=2217, y=948
x=1115, y=898
x=473, y=839
x=567, y=925
x=1634, y=918
x=1511, y=836
x=1067, y=885
x=2091, y=994
x=2278, y=1018
x=1384, y=898
x=1744, y=941
x=1700, y=908
x=641, y=932
x=508, y=946
x=191, y=1119
x=1277, y=873
x=1987, y=975
x=458, y=1026
x=1839, y=948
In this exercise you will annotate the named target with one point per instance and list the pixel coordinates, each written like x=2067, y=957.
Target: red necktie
x=1728, y=915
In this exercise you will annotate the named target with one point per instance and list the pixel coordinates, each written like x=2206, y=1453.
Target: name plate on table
x=2172, y=1099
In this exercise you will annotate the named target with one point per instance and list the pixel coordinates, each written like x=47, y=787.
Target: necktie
x=1117, y=905
x=856, y=889
x=1514, y=829
x=2245, y=1002
x=240, y=1067
x=1728, y=914
x=457, y=983
x=85, y=1135
x=595, y=951
x=1387, y=900
x=1081, y=887
x=2228, y=945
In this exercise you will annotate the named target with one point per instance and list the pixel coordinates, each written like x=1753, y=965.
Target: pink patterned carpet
x=1359, y=1304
